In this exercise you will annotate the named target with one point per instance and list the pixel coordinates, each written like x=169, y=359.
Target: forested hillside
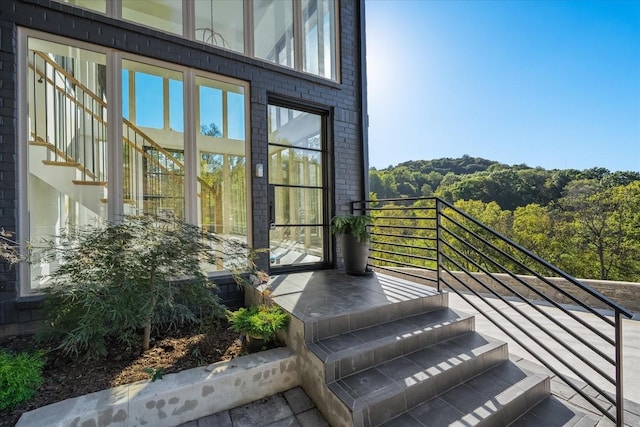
x=586, y=222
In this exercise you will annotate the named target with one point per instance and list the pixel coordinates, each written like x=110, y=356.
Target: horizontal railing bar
x=533, y=272
x=405, y=227
x=524, y=266
x=398, y=208
x=410, y=218
x=400, y=245
x=400, y=199
x=588, y=289
x=538, y=292
x=540, y=343
x=430, y=279
x=400, y=263
x=567, y=380
x=403, y=254
x=434, y=239
x=539, y=310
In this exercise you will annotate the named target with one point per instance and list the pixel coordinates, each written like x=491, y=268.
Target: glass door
x=298, y=229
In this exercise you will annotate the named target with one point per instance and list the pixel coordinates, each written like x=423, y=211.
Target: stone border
x=176, y=398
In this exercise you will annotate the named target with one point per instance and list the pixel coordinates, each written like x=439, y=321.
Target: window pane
x=67, y=145
x=295, y=167
x=318, y=17
x=273, y=31
x=298, y=237
x=149, y=100
x=299, y=129
x=153, y=143
x=97, y=5
x=220, y=23
x=222, y=177
x=210, y=111
x=165, y=15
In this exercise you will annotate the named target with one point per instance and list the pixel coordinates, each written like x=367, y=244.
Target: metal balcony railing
x=430, y=241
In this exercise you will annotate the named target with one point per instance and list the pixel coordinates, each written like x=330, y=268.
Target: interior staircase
x=67, y=147
x=418, y=362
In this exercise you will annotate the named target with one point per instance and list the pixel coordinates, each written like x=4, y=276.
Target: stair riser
x=336, y=325
x=383, y=410
x=401, y=346
x=514, y=409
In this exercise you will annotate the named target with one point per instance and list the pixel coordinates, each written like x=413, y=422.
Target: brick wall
x=342, y=100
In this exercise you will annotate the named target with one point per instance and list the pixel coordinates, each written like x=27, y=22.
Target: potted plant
x=355, y=241
x=259, y=323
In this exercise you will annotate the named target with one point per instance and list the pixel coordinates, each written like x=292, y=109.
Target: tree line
x=586, y=222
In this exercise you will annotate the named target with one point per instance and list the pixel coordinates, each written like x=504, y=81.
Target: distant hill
x=476, y=178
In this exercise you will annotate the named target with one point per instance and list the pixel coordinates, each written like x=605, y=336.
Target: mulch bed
x=65, y=378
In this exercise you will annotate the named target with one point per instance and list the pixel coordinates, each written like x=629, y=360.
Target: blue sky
x=548, y=83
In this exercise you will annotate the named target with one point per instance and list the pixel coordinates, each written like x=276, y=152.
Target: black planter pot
x=355, y=254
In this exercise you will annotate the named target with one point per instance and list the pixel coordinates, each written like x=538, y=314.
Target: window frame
x=115, y=203
x=114, y=10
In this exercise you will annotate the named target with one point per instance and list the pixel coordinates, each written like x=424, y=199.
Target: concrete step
x=496, y=397
x=388, y=389
x=334, y=325
x=361, y=349
x=554, y=412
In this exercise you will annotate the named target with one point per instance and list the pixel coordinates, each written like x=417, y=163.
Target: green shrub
x=118, y=281
x=20, y=376
x=261, y=321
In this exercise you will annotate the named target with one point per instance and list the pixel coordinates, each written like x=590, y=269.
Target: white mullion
x=248, y=28
x=115, y=182
x=23, y=222
x=114, y=9
x=188, y=19
x=297, y=35
x=190, y=148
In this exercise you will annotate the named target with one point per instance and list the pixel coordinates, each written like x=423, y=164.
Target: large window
x=153, y=140
x=165, y=15
x=67, y=144
x=299, y=34
x=220, y=23
x=221, y=157
x=319, y=37
x=273, y=31
x=180, y=149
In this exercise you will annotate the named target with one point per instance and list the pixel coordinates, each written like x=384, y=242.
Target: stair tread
x=395, y=376
x=475, y=401
x=340, y=346
x=553, y=411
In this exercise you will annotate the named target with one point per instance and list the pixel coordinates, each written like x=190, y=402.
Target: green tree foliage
x=585, y=222
x=602, y=224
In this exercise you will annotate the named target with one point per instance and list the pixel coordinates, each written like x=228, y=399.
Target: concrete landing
x=291, y=408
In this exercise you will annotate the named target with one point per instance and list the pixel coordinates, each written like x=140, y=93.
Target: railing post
x=619, y=370
x=438, y=256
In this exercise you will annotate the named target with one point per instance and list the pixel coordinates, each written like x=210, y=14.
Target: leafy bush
x=260, y=321
x=118, y=281
x=20, y=376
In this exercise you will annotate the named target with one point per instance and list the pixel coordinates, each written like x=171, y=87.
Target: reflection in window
x=153, y=141
x=97, y=5
x=67, y=142
x=319, y=33
x=220, y=23
x=296, y=173
x=222, y=187
x=165, y=15
x=273, y=31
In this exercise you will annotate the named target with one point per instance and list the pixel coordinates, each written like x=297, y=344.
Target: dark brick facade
x=343, y=101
